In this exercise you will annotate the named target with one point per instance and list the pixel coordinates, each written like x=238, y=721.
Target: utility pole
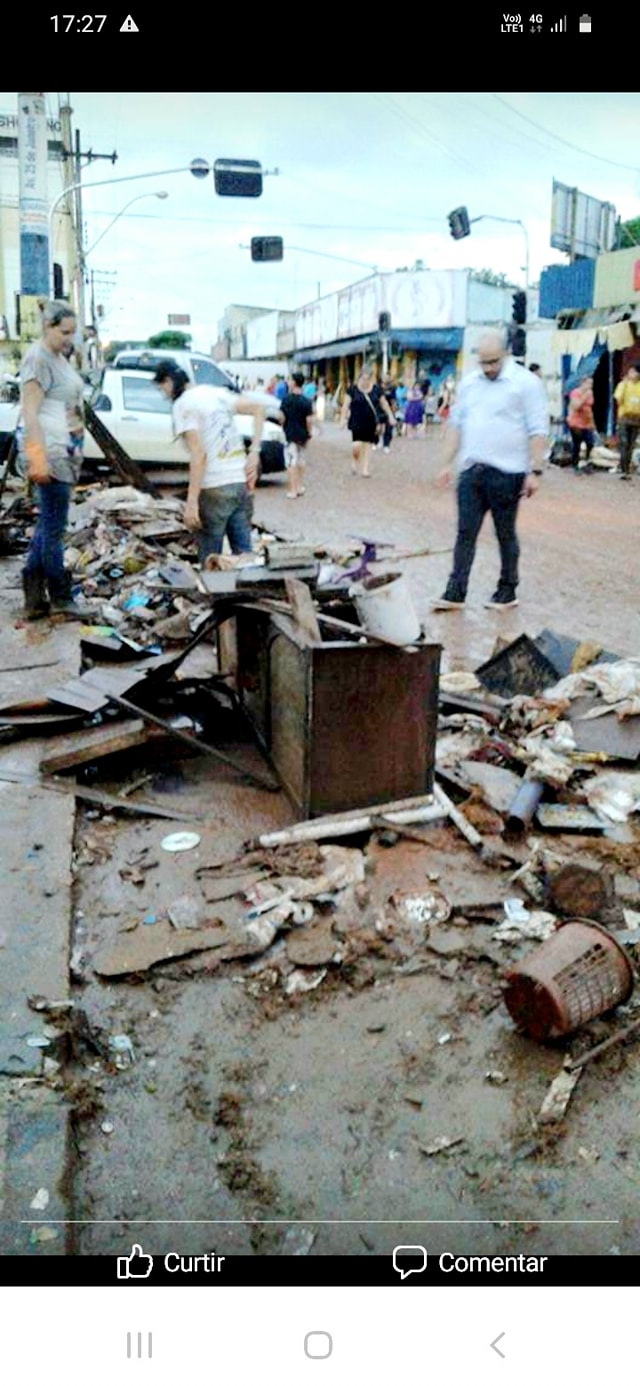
x=72, y=182
x=71, y=227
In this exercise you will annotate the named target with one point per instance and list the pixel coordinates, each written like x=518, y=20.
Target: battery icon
x=585, y=23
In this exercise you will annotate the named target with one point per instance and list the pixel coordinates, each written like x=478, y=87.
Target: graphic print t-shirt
x=204, y=410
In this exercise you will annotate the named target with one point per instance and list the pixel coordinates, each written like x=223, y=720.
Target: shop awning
x=413, y=339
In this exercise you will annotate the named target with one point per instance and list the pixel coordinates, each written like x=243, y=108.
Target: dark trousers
x=627, y=435
x=45, y=556
x=578, y=435
x=482, y=488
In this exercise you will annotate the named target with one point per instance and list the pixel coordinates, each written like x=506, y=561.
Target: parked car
x=200, y=369
x=139, y=417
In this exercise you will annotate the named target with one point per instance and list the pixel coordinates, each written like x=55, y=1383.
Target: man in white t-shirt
x=221, y=475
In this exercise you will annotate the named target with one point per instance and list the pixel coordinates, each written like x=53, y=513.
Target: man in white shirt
x=498, y=432
x=221, y=476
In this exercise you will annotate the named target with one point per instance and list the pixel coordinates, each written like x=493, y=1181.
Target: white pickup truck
x=139, y=416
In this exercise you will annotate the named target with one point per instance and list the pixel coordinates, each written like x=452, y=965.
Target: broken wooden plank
x=304, y=612
x=92, y=744
x=115, y=453
x=111, y=802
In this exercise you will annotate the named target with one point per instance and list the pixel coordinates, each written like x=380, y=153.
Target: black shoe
x=36, y=603
x=450, y=602
x=502, y=599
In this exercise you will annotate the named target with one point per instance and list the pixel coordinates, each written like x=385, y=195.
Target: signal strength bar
x=560, y=27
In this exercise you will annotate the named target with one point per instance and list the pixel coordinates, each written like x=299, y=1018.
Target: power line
x=588, y=153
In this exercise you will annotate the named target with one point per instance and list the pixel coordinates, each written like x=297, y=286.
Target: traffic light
x=384, y=322
x=518, y=341
x=459, y=223
x=237, y=177
x=519, y=312
x=266, y=247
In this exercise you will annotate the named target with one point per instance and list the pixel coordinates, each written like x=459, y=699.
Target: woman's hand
x=37, y=465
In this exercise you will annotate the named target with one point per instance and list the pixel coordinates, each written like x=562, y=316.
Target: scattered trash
x=535, y=924
x=38, y=1042
x=559, y=1096
x=444, y=1039
x=44, y=1234
x=589, y=1153
x=180, y=842
x=107, y=1127
x=442, y=1145
x=123, y=1050
x=41, y=1200
x=298, y=1241
x=578, y=974
x=302, y=981
x=429, y=907
x=496, y=1077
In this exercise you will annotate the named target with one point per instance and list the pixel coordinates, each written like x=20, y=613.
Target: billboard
x=580, y=224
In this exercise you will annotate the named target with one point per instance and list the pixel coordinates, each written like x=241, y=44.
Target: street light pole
x=119, y=214
x=512, y=221
x=101, y=183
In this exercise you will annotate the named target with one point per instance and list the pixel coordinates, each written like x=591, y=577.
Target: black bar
x=343, y=1271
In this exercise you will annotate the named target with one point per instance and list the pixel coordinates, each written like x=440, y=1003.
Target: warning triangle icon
x=129, y=26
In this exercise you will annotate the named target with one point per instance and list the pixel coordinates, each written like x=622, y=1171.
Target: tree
x=170, y=338
x=488, y=276
x=628, y=233
x=111, y=351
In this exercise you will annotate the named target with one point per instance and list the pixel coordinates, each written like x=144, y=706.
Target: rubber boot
x=36, y=603
x=62, y=603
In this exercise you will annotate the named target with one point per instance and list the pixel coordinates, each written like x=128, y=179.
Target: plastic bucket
x=385, y=608
x=576, y=975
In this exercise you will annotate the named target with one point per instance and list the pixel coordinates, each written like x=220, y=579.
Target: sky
x=368, y=176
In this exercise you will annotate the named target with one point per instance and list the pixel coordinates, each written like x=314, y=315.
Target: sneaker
x=385, y=449
x=502, y=600
x=448, y=604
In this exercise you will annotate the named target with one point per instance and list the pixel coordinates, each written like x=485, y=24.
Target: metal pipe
x=524, y=806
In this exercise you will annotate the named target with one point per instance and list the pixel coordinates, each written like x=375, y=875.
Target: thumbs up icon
x=137, y=1266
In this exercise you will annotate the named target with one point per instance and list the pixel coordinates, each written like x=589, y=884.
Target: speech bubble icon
x=409, y=1260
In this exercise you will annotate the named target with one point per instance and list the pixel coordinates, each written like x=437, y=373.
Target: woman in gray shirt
x=52, y=422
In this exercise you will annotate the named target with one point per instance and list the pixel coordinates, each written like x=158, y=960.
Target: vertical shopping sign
x=32, y=166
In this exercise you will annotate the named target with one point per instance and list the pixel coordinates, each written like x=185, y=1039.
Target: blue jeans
x=482, y=488
x=46, y=552
x=225, y=510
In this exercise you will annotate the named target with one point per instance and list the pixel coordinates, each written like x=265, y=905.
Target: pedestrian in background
x=401, y=404
x=51, y=438
x=384, y=396
x=360, y=414
x=297, y=412
x=221, y=477
x=627, y=398
x=498, y=433
x=414, y=410
x=580, y=420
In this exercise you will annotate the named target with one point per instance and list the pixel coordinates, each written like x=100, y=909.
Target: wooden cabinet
x=345, y=724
